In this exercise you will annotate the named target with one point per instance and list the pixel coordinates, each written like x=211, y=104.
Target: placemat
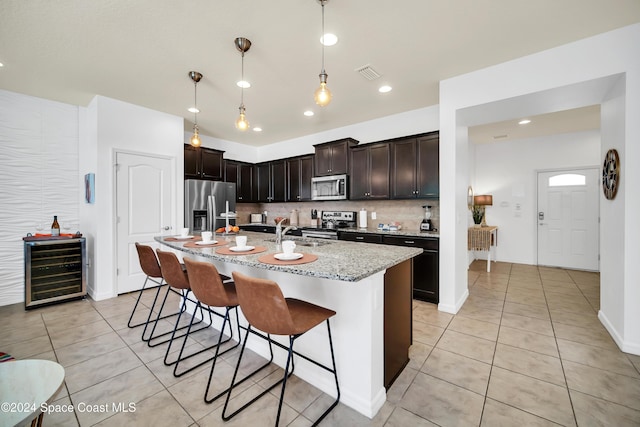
x=217, y=243
x=227, y=251
x=182, y=239
x=269, y=259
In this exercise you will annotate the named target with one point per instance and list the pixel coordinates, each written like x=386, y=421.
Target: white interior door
x=144, y=210
x=568, y=219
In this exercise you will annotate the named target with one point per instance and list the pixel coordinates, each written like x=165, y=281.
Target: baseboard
x=453, y=309
x=627, y=347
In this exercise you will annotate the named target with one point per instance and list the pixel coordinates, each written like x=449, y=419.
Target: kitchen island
x=369, y=286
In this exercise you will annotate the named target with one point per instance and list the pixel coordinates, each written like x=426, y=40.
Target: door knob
x=167, y=227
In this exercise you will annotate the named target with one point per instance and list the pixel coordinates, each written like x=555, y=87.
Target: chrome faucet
x=280, y=232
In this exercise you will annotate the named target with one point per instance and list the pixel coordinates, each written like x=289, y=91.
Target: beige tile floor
x=526, y=349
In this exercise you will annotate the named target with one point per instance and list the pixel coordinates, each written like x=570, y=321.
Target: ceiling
x=141, y=52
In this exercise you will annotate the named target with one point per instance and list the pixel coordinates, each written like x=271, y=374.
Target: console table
x=482, y=239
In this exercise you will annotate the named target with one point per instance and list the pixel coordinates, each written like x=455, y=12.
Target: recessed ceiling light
x=243, y=84
x=257, y=129
x=193, y=110
x=308, y=113
x=524, y=122
x=329, y=39
x=1, y=65
x=384, y=89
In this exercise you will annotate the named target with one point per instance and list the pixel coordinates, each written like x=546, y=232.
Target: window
x=567, y=179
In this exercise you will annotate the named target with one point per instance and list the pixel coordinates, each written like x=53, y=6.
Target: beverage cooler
x=54, y=270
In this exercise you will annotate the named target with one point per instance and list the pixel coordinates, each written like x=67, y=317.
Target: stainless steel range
x=330, y=223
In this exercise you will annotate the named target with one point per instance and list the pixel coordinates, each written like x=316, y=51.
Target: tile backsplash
x=408, y=213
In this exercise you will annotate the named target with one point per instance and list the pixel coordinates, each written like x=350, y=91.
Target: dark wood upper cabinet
x=428, y=173
x=332, y=158
x=299, y=174
x=242, y=174
x=203, y=163
x=271, y=181
x=369, y=174
x=415, y=169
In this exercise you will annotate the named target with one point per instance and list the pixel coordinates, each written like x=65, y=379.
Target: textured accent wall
x=38, y=178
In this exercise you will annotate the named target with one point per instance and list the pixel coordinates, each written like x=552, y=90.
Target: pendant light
x=195, y=139
x=243, y=45
x=322, y=95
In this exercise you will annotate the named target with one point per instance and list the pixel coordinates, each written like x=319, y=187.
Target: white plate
x=242, y=249
x=212, y=242
x=183, y=237
x=288, y=257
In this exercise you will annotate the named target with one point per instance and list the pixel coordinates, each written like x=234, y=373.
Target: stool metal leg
x=235, y=373
x=216, y=346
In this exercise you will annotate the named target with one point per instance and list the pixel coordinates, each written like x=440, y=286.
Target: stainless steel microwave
x=329, y=187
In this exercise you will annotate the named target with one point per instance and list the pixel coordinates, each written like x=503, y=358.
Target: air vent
x=500, y=136
x=368, y=72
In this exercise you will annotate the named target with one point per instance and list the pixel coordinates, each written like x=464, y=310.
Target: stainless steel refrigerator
x=206, y=204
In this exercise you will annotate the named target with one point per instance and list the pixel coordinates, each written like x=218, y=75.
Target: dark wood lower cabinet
x=426, y=277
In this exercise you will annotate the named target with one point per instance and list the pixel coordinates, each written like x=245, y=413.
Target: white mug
x=184, y=232
x=207, y=236
x=288, y=246
x=241, y=241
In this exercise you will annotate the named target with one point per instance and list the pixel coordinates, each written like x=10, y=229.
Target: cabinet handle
x=409, y=242
x=359, y=238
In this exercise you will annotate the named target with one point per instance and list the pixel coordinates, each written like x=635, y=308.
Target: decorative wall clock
x=611, y=174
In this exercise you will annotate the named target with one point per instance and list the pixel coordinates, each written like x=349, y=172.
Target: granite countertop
x=337, y=260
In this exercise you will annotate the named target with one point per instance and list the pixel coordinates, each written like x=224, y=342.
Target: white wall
x=126, y=127
x=38, y=178
x=507, y=170
x=569, y=76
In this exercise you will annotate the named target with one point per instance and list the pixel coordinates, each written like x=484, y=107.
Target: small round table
x=24, y=386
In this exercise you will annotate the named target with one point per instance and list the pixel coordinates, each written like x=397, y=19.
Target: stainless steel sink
x=305, y=242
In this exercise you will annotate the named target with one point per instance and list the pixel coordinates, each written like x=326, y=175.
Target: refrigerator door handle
x=210, y=218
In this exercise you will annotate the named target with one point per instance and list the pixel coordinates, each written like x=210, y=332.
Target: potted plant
x=477, y=212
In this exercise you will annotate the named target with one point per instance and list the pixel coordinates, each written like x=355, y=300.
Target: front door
x=144, y=210
x=568, y=219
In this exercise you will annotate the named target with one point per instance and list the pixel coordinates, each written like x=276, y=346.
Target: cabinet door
x=403, y=171
x=263, y=189
x=278, y=181
x=339, y=158
x=191, y=162
x=245, y=183
x=359, y=176
x=293, y=180
x=306, y=173
x=428, y=166
x=231, y=171
x=211, y=164
x=379, y=171
x=426, y=277
x=323, y=160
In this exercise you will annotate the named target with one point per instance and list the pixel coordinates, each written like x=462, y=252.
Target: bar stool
x=265, y=308
x=150, y=267
x=209, y=289
x=175, y=276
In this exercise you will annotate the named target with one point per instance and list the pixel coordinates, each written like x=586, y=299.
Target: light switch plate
x=373, y=215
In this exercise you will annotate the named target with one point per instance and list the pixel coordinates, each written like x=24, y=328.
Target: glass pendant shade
x=242, y=123
x=322, y=95
x=195, y=139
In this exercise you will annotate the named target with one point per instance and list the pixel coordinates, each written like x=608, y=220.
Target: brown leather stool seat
x=265, y=308
x=178, y=278
x=209, y=289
